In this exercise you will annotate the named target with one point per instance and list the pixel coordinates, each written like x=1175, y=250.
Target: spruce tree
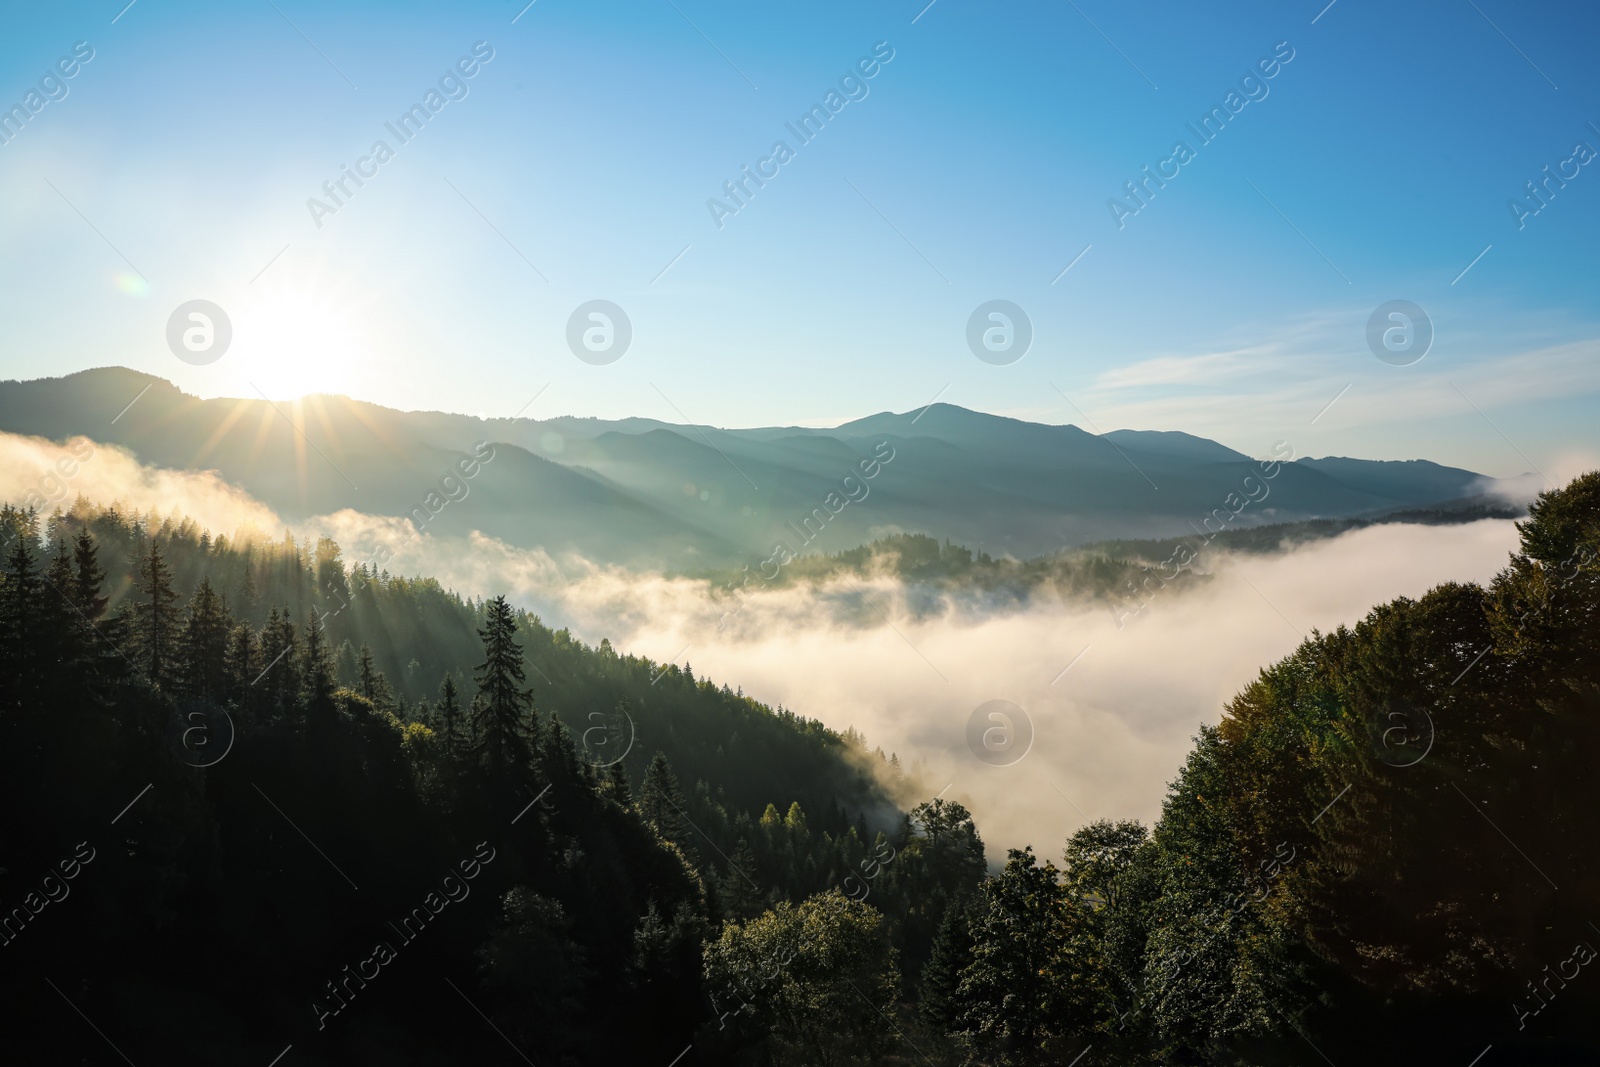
x=383, y=693
x=156, y=624
x=316, y=667
x=19, y=611
x=367, y=675
x=88, y=579
x=103, y=638
x=249, y=596
x=503, y=709
x=279, y=678
x=449, y=721
x=243, y=665
x=616, y=786
x=58, y=628
x=344, y=665
x=949, y=956
x=204, y=645
x=742, y=897
x=661, y=803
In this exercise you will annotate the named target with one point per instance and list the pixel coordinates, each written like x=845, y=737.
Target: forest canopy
x=272, y=800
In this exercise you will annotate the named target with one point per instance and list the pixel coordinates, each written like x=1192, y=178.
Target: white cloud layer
x=906, y=670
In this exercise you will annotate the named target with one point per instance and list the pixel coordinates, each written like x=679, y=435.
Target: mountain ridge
x=644, y=493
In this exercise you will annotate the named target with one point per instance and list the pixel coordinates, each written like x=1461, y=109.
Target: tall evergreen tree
x=366, y=674
x=156, y=621
x=102, y=638
x=316, y=667
x=20, y=651
x=243, y=666
x=59, y=630
x=249, y=595
x=88, y=579
x=503, y=709
x=449, y=721
x=279, y=678
x=949, y=955
x=1034, y=982
x=204, y=645
x=616, y=784
x=661, y=803
x=741, y=893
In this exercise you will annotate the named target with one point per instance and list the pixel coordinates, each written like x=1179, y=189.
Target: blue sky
x=578, y=166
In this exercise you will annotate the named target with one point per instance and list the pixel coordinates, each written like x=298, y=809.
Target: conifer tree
x=19, y=639
x=661, y=804
x=503, y=710
x=344, y=665
x=101, y=639
x=449, y=721
x=367, y=675
x=243, y=666
x=58, y=626
x=88, y=579
x=204, y=644
x=617, y=787
x=249, y=595
x=742, y=897
x=156, y=622
x=279, y=678
x=950, y=955
x=316, y=667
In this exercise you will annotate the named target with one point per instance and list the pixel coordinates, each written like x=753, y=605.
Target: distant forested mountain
x=682, y=498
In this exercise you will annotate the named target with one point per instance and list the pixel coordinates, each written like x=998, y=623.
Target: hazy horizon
x=1569, y=458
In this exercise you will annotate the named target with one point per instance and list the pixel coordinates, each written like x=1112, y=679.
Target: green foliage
x=1338, y=847
x=819, y=976
x=953, y=569
x=103, y=678
x=155, y=629
x=502, y=714
x=1035, y=983
x=661, y=803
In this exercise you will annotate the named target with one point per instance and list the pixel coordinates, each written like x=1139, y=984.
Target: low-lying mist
x=1108, y=734
x=904, y=665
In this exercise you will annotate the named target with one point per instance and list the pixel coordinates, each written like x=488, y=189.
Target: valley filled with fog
x=904, y=663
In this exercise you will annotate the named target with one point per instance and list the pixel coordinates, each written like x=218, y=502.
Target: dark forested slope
x=229, y=749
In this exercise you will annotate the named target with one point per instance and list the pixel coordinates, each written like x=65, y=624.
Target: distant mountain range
x=651, y=494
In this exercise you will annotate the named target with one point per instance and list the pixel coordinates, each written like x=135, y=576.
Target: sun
x=298, y=342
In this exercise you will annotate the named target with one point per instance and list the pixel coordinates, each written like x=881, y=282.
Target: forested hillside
x=278, y=806
x=1383, y=853
x=306, y=729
